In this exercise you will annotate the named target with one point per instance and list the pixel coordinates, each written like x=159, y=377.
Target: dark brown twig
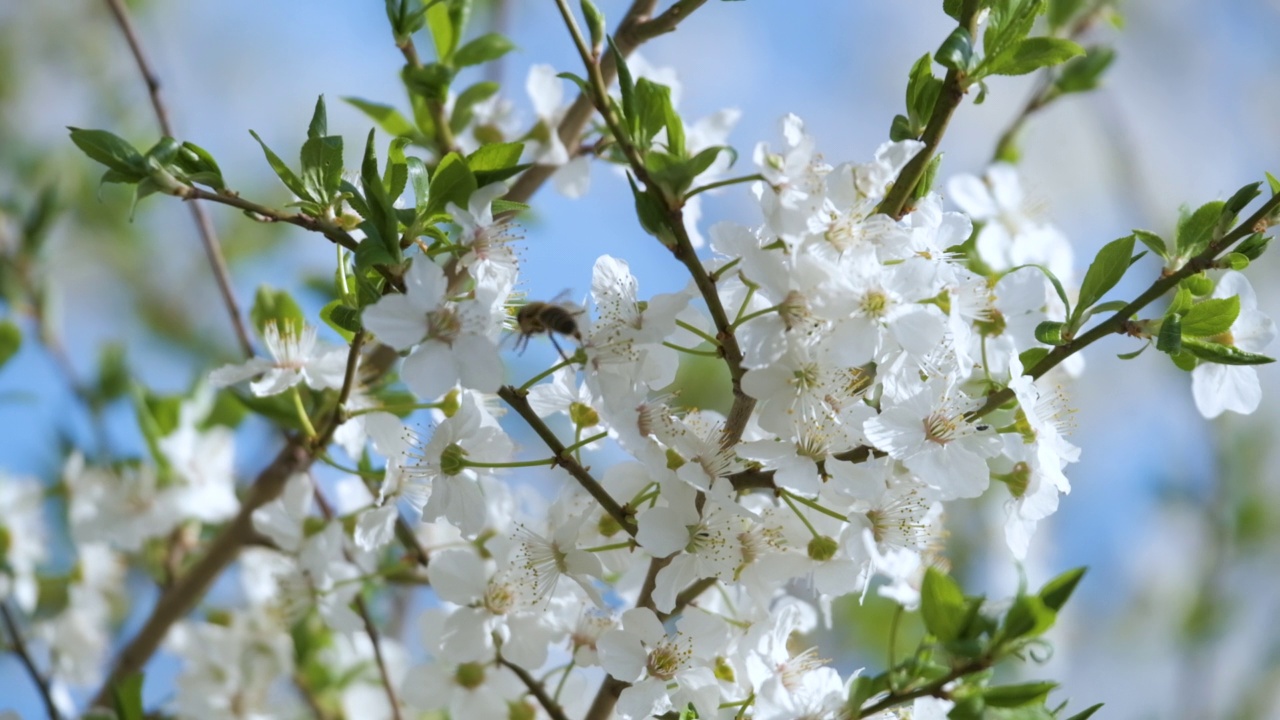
x=19, y=646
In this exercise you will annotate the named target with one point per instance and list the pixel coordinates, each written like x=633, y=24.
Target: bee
x=535, y=318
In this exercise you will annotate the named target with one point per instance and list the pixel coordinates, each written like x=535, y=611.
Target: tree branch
x=208, y=237
x=24, y=656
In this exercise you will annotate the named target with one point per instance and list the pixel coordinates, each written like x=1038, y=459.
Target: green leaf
x=322, y=167
x=1211, y=317
x=1011, y=696
x=1057, y=591
x=127, y=695
x=1170, y=338
x=652, y=216
x=276, y=306
x=1009, y=22
x=39, y=218
x=1152, y=241
x=290, y=180
x=382, y=214
x=1135, y=353
x=864, y=688
x=1273, y=184
x=925, y=184
x=1028, y=617
x=389, y=119
x=319, y=126
x=112, y=151
x=453, y=182
x=1196, y=230
x=444, y=30
x=10, y=341
x=1084, y=73
x=956, y=52
x=953, y=8
x=428, y=83
x=485, y=48
x=1030, y=55
x=1031, y=358
x=1106, y=270
x=1086, y=713
x=1241, y=199
x=626, y=86
x=1222, y=354
x=922, y=94
x=1062, y=12
x=495, y=156
x=464, y=105
x=198, y=166
x=113, y=378
x=942, y=605
x=1254, y=245
x=344, y=320
x=396, y=174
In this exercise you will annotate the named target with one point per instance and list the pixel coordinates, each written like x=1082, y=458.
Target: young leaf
x=1086, y=713
x=1211, y=317
x=444, y=30
x=495, y=156
x=1222, y=354
x=10, y=341
x=942, y=605
x=452, y=182
x=466, y=101
x=112, y=151
x=389, y=119
x=127, y=695
x=1195, y=231
x=1170, y=338
x=1106, y=270
x=1028, y=617
x=1152, y=241
x=1057, y=591
x=322, y=167
x=199, y=166
x=1012, y=696
x=1030, y=55
x=344, y=320
x=276, y=306
x=1084, y=73
x=319, y=126
x=922, y=94
x=956, y=52
x=483, y=49
x=382, y=214
x=287, y=176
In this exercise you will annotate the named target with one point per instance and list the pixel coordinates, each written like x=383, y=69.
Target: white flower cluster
x=866, y=349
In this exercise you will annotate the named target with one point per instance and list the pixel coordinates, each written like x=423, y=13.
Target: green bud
x=608, y=526
x=1236, y=261
x=1050, y=333
x=521, y=710
x=595, y=25
x=724, y=670
x=1254, y=245
x=823, y=548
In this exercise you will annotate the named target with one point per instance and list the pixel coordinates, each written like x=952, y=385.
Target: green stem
x=615, y=546
x=587, y=441
x=723, y=183
x=751, y=316
x=302, y=412
x=513, y=464
x=328, y=460
x=691, y=351
x=720, y=271
x=395, y=409
x=545, y=373
x=694, y=329
x=787, y=497
x=816, y=506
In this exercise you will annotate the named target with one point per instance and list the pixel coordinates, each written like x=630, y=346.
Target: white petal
x=431, y=370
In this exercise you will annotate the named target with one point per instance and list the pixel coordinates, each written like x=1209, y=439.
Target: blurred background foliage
x=1176, y=517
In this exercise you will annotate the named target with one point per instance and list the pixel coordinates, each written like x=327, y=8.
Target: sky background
x=1188, y=114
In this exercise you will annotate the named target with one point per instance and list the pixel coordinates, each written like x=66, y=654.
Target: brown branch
x=518, y=402
x=208, y=237
x=1116, y=322
x=24, y=656
x=536, y=689
x=954, y=87
x=635, y=28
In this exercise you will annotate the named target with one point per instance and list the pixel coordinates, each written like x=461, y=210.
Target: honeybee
x=535, y=318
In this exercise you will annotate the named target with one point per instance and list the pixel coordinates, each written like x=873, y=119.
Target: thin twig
x=24, y=656
x=204, y=225
x=516, y=399
x=535, y=688
x=953, y=90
